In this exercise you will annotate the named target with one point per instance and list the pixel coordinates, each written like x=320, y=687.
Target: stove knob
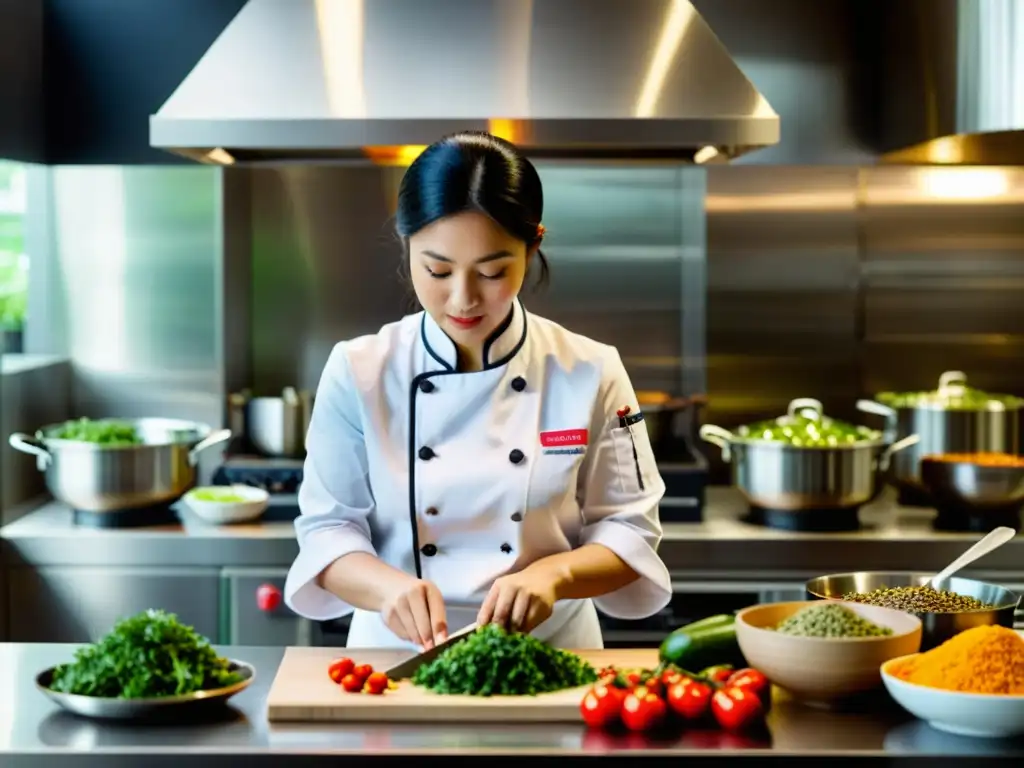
x=276, y=486
x=268, y=597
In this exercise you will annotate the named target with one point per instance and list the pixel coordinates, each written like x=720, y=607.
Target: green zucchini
x=705, y=643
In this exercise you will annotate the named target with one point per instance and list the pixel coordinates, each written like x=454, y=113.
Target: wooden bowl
x=824, y=669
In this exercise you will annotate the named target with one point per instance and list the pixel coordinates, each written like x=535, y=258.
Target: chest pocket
x=560, y=455
x=633, y=454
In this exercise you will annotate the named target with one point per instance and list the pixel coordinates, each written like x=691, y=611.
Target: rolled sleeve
x=621, y=493
x=335, y=499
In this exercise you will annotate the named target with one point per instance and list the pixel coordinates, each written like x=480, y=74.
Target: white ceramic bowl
x=987, y=715
x=238, y=503
x=818, y=669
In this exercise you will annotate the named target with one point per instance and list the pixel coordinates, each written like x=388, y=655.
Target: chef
x=472, y=461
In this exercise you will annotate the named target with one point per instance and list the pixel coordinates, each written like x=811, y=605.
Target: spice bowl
x=975, y=482
x=227, y=504
x=984, y=715
x=938, y=626
x=823, y=669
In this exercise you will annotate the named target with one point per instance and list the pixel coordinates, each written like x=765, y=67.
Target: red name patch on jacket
x=563, y=438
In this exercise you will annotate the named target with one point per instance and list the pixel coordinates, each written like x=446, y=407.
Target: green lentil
x=493, y=662
x=922, y=599
x=829, y=620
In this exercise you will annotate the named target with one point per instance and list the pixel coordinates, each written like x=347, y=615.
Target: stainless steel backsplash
x=170, y=287
x=836, y=283
x=625, y=244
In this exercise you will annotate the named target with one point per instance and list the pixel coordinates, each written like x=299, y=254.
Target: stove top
x=805, y=520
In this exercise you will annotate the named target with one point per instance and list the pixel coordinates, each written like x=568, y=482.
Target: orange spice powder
x=988, y=659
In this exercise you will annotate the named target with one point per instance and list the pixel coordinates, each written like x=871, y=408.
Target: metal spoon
x=995, y=539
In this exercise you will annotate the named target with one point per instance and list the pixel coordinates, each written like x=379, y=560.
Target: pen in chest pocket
x=626, y=421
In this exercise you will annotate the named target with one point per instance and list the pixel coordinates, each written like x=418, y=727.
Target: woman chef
x=473, y=462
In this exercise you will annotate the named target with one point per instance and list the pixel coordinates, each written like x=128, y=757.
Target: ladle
x=993, y=540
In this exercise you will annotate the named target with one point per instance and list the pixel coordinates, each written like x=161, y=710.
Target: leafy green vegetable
x=493, y=662
x=149, y=655
x=102, y=432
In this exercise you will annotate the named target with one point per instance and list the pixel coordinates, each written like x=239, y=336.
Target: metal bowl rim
x=832, y=640
x=1003, y=607
x=933, y=460
x=201, y=430
x=164, y=701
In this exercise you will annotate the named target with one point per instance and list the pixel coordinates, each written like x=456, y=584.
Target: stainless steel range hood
x=955, y=79
x=314, y=80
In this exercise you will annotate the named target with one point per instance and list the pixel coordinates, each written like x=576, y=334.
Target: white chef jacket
x=465, y=477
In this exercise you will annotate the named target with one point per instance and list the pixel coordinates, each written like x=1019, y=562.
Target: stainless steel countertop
x=722, y=546
x=32, y=727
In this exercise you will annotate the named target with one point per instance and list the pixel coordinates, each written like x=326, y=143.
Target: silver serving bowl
x=937, y=627
x=139, y=709
x=973, y=486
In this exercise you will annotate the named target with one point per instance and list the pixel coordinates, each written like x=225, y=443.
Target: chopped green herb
x=494, y=662
x=101, y=432
x=149, y=655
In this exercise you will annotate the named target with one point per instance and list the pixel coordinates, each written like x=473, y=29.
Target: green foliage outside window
x=13, y=259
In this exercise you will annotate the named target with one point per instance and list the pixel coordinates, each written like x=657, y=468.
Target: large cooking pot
x=805, y=460
x=951, y=419
x=938, y=627
x=96, y=477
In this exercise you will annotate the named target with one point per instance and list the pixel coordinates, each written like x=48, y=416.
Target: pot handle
x=207, y=442
x=899, y=445
x=803, y=404
x=890, y=415
x=952, y=383
x=718, y=436
x=28, y=444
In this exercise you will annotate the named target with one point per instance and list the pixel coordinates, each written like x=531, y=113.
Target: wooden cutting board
x=302, y=692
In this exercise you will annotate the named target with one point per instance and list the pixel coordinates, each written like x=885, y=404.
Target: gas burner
x=960, y=520
x=276, y=476
x=806, y=520
x=140, y=517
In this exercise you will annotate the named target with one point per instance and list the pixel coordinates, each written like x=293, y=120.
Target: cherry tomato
x=602, y=706
x=670, y=677
x=339, y=668
x=643, y=710
x=362, y=671
x=754, y=681
x=376, y=683
x=690, y=699
x=718, y=674
x=351, y=683
x=736, y=708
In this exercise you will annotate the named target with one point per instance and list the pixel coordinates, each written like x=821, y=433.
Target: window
x=13, y=259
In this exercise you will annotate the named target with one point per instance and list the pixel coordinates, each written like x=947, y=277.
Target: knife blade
x=407, y=668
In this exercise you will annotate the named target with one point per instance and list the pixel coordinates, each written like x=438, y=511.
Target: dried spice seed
x=829, y=620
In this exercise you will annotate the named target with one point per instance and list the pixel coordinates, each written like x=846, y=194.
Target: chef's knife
x=408, y=667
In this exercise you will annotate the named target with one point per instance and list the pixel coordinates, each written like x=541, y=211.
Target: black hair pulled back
x=473, y=171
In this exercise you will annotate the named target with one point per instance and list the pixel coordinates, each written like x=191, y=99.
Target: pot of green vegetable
x=806, y=460
x=106, y=465
x=954, y=418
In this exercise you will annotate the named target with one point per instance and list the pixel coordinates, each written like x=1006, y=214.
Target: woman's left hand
x=519, y=602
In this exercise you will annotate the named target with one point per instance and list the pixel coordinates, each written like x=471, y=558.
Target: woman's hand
x=415, y=612
x=520, y=601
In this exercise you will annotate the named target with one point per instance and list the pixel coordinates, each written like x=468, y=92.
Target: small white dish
x=226, y=504
x=981, y=715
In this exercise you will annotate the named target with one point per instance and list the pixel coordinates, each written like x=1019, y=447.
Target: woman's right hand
x=415, y=612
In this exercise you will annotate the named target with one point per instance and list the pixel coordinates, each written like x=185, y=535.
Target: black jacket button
x=431, y=511
x=427, y=453
x=506, y=548
x=518, y=383
x=429, y=550
x=516, y=456
x=517, y=517
x=427, y=386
